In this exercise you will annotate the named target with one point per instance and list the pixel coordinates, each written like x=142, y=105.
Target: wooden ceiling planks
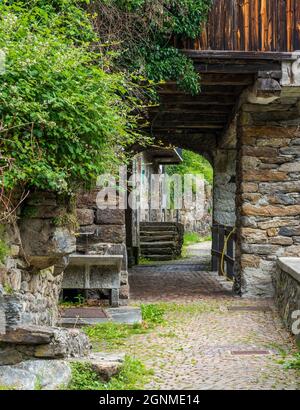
x=251, y=25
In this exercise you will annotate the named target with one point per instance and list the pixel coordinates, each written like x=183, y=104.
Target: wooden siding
x=251, y=25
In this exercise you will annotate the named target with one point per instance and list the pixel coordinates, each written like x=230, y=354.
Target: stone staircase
x=161, y=241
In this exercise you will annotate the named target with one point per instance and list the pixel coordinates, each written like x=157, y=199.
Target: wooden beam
x=196, y=126
x=221, y=67
x=227, y=79
x=201, y=55
x=171, y=89
x=190, y=117
x=183, y=109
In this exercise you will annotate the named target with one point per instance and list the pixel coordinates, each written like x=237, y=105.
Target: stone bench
x=92, y=272
x=287, y=290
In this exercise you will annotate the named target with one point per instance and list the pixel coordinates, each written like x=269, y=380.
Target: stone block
x=250, y=261
x=85, y=216
x=124, y=292
x=250, y=210
x=9, y=355
x=28, y=334
x=110, y=217
x=64, y=343
x=281, y=240
x=292, y=150
x=43, y=211
x=290, y=167
x=277, y=223
x=271, y=232
x=283, y=187
x=87, y=199
x=253, y=235
x=259, y=152
x=47, y=374
x=102, y=234
x=14, y=279
x=249, y=187
x=262, y=175
x=45, y=244
x=106, y=370
x=273, y=142
x=269, y=131
x=261, y=249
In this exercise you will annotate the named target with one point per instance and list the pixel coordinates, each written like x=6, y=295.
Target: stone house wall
x=31, y=273
x=268, y=197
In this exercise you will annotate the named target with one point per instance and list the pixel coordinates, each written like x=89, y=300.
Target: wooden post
x=215, y=247
x=221, y=246
x=230, y=254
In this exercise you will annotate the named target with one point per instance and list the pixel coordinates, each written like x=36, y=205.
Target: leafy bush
x=191, y=238
x=193, y=164
x=65, y=116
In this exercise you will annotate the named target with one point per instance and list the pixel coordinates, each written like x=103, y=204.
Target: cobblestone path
x=211, y=340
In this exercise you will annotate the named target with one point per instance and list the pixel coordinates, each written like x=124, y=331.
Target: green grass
x=293, y=363
x=7, y=388
x=145, y=261
x=133, y=376
x=112, y=335
x=191, y=238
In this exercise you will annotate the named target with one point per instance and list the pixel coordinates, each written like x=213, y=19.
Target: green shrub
x=65, y=116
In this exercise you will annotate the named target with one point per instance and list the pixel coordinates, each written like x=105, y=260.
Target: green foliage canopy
x=193, y=164
x=149, y=33
x=64, y=115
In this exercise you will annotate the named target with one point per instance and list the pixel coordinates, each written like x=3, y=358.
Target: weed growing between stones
x=4, y=251
x=293, y=363
x=112, y=335
x=133, y=376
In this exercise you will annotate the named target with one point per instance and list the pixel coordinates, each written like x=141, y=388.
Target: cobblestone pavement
x=211, y=340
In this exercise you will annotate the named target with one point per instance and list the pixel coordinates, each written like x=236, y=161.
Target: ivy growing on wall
x=149, y=34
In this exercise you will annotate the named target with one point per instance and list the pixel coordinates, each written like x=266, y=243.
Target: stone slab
x=290, y=266
x=28, y=334
x=36, y=374
x=125, y=315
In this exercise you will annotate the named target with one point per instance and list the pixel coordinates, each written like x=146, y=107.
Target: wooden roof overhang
x=203, y=118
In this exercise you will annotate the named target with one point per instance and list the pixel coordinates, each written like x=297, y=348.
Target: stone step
x=28, y=335
x=171, y=244
x=157, y=251
x=157, y=238
x=160, y=257
x=158, y=223
x=152, y=231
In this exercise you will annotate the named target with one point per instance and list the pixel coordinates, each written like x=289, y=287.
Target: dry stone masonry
x=268, y=197
x=102, y=232
x=287, y=293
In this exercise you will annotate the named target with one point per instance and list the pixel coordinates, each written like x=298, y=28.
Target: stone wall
x=268, y=197
x=102, y=232
x=287, y=293
x=38, y=246
x=224, y=187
